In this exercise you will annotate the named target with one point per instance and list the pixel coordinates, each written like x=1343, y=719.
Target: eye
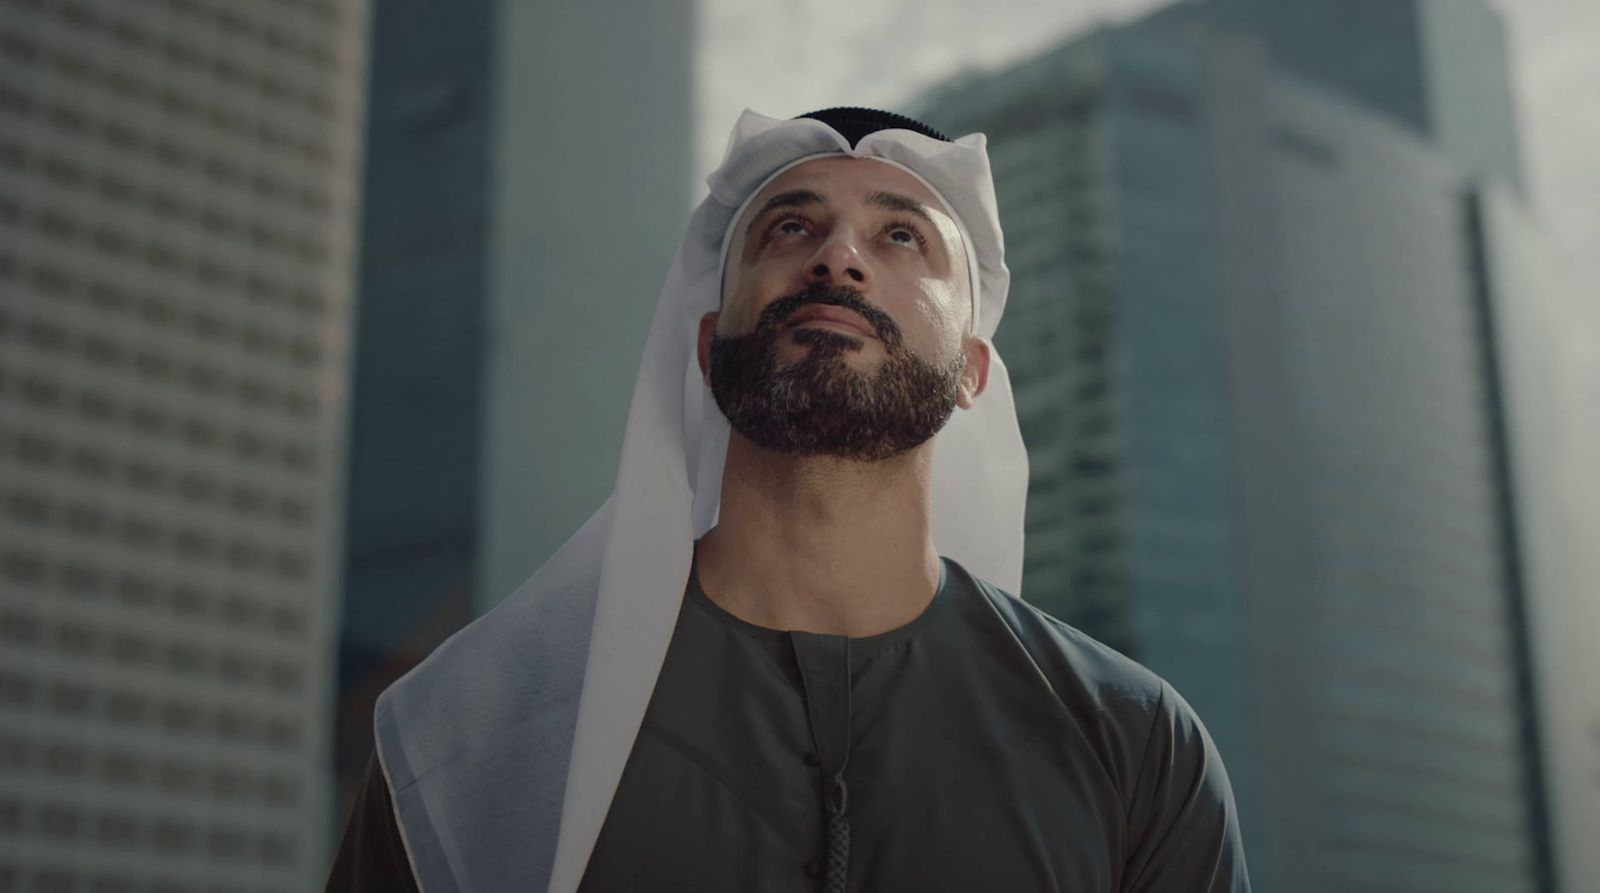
x=905, y=235
x=789, y=226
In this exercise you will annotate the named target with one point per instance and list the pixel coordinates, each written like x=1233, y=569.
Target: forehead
x=845, y=180
x=861, y=176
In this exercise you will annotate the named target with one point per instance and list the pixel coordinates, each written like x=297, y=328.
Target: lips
x=827, y=313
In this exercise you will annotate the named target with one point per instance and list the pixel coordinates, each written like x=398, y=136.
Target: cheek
x=747, y=294
x=944, y=310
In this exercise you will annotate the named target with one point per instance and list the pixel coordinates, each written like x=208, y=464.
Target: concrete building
x=177, y=206
x=523, y=198
x=1254, y=347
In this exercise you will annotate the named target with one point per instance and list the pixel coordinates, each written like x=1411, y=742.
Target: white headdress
x=503, y=749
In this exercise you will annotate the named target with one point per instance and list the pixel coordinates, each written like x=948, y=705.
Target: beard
x=820, y=406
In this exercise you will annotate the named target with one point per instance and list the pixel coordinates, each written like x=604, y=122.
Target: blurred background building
x=525, y=189
x=177, y=209
x=1297, y=369
x=1253, y=334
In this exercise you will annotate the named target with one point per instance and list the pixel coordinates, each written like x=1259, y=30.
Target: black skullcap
x=854, y=123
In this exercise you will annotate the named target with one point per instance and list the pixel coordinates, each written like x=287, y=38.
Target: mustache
x=774, y=315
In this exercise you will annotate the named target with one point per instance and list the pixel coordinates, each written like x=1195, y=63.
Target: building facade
x=1254, y=361
x=416, y=410
x=177, y=206
x=523, y=197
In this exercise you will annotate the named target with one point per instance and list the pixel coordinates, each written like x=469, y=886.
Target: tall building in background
x=526, y=184
x=177, y=203
x=1436, y=66
x=1252, y=337
x=416, y=406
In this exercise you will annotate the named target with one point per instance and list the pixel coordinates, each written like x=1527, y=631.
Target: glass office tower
x=1255, y=370
x=1436, y=66
x=416, y=394
x=177, y=208
x=522, y=201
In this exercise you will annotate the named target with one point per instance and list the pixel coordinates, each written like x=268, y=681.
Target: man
x=777, y=658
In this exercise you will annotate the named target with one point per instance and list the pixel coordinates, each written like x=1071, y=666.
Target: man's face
x=845, y=315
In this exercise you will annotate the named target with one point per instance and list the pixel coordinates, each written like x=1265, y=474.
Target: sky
x=783, y=60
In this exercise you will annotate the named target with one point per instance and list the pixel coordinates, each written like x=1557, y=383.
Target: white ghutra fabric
x=503, y=749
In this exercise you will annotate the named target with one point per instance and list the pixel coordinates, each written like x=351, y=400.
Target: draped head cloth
x=504, y=747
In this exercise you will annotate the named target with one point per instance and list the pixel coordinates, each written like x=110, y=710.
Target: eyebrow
x=893, y=201
x=798, y=198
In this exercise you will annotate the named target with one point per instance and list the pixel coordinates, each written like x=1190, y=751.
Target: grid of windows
x=177, y=188
x=90, y=640
x=138, y=141
x=217, y=841
x=252, y=443
x=54, y=38
x=167, y=205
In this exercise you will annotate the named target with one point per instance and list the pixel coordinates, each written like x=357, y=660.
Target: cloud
x=848, y=52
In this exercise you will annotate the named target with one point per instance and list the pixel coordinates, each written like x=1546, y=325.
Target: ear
x=976, y=376
x=708, y=328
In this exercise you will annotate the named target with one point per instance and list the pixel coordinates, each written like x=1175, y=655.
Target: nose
x=837, y=262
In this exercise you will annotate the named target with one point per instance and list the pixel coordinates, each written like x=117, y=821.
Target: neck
x=821, y=544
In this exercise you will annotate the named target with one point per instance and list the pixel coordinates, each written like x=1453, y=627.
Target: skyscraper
x=176, y=246
x=1254, y=354
x=523, y=197
x=1436, y=66
x=416, y=412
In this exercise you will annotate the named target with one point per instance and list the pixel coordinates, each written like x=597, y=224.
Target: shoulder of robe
x=521, y=660
x=1088, y=676
x=1118, y=705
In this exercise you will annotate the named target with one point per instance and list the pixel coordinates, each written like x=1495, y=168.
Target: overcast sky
x=783, y=60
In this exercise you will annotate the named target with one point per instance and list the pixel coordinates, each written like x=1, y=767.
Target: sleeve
x=1183, y=826
x=371, y=856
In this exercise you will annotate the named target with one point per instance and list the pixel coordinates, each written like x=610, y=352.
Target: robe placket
x=825, y=673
